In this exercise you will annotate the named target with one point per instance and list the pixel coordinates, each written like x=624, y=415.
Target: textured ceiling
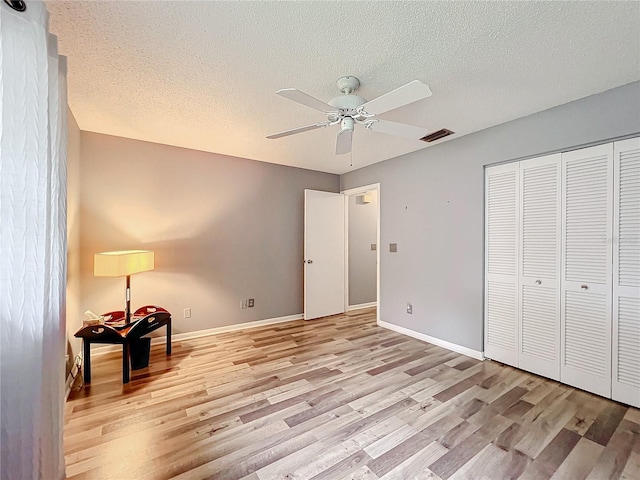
x=203, y=75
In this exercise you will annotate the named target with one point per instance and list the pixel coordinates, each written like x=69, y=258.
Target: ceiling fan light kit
x=349, y=109
x=346, y=124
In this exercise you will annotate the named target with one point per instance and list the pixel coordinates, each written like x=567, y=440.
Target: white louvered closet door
x=540, y=228
x=501, y=263
x=586, y=284
x=625, y=385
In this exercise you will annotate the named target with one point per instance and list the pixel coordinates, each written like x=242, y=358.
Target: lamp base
x=127, y=295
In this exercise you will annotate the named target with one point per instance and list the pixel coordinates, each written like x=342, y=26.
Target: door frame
x=348, y=193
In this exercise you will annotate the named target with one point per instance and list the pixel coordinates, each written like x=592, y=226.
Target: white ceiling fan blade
x=305, y=99
x=401, y=96
x=397, y=129
x=299, y=130
x=343, y=143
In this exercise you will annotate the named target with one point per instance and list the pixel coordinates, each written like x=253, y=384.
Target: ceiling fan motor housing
x=347, y=104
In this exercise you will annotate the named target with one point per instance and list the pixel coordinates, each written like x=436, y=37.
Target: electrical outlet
x=251, y=302
x=243, y=304
x=409, y=309
x=187, y=313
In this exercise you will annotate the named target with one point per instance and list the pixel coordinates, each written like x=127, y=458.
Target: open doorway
x=362, y=252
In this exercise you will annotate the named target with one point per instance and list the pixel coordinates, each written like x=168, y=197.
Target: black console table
x=145, y=320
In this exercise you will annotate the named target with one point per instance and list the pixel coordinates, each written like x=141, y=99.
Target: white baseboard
x=204, y=333
x=72, y=376
x=435, y=341
x=361, y=306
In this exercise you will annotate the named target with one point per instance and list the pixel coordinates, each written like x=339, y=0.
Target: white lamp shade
x=123, y=263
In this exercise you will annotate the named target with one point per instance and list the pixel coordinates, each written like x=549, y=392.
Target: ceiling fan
x=349, y=109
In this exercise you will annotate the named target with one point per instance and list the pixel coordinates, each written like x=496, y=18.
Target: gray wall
x=362, y=260
x=223, y=229
x=432, y=206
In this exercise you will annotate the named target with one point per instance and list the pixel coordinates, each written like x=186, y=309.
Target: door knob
x=538, y=282
x=584, y=287
x=309, y=261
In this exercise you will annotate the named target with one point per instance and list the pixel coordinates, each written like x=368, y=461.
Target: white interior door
x=625, y=385
x=324, y=241
x=501, y=264
x=586, y=284
x=540, y=229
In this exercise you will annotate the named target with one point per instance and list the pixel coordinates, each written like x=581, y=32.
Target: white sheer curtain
x=33, y=133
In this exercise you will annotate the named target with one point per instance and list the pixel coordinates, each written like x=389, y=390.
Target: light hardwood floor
x=339, y=398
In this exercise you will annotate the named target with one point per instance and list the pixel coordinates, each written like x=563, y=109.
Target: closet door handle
x=538, y=282
x=584, y=287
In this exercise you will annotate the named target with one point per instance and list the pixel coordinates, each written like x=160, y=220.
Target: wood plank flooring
x=339, y=398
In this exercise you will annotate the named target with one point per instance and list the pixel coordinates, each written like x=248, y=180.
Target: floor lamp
x=123, y=264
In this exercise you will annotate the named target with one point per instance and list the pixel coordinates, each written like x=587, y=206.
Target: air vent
x=432, y=137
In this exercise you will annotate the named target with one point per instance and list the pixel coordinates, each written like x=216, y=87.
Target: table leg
x=87, y=360
x=169, y=337
x=125, y=362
